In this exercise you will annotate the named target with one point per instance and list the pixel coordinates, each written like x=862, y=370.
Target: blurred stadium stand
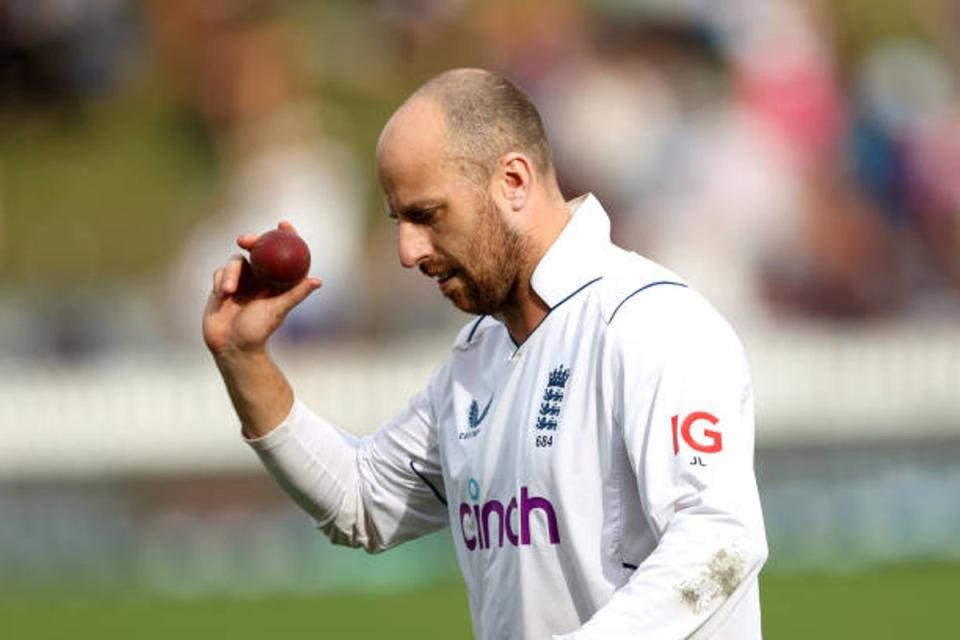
x=170, y=415
x=132, y=469
x=797, y=161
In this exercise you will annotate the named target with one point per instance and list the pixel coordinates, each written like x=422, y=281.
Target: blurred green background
x=863, y=605
x=797, y=161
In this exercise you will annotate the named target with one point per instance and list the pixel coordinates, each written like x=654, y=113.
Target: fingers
x=247, y=240
x=226, y=279
x=217, y=277
x=214, y=303
x=298, y=293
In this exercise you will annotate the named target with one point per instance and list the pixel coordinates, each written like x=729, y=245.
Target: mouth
x=443, y=277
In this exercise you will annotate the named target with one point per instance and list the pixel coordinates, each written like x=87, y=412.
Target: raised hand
x=242, y=314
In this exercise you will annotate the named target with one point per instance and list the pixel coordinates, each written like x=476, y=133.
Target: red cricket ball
x=280, y=259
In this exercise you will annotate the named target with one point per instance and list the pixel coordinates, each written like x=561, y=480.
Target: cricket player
x=589, y=437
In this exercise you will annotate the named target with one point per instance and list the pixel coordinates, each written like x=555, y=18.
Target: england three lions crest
x=552, y=401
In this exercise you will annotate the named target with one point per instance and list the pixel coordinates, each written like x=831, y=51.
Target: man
x=589, y=439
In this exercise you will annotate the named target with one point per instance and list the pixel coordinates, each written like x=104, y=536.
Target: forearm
x=361, y=492
x=315, y=463
x=689, y=587
x=260, y=393
x=310, y=459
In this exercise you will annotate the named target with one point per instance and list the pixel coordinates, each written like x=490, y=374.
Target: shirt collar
x=575, y=257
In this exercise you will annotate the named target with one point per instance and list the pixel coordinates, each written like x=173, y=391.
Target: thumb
x=298, y=293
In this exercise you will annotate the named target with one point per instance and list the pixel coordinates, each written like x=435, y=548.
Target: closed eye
x=419, y=213
x=420, y=216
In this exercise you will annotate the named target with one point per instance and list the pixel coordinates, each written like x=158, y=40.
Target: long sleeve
x=684, y=408
x=373, y=492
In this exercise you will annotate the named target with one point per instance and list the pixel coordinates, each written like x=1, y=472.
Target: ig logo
x=712, y=441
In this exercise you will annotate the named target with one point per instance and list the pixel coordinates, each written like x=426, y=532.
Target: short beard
x=499, y=251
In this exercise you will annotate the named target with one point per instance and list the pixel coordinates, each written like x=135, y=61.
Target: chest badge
x=552, y=401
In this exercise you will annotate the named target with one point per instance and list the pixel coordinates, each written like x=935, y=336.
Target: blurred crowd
x=790, y=158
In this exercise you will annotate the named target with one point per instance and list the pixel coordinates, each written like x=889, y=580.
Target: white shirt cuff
x=280, y=433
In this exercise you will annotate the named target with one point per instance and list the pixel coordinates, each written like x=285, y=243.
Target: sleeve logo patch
x=707, y=441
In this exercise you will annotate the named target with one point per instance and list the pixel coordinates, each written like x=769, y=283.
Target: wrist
x=231, y=357
x=260, y=393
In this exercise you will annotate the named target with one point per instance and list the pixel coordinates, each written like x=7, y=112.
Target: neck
x=524, y=315
x=527, y=310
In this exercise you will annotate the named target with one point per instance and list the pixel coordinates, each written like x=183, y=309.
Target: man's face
x=447, y=225
x=480, y=270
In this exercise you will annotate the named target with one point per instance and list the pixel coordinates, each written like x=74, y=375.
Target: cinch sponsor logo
x=480, y=529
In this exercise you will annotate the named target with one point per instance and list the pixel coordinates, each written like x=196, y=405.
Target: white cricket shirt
x=598, y=480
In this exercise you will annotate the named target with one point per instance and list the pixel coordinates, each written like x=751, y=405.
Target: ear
x=516, y=180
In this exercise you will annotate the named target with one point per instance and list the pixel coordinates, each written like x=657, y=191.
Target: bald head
x=466, y=174
x=484, y=117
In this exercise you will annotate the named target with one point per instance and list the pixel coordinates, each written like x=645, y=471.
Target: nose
x=413, y=244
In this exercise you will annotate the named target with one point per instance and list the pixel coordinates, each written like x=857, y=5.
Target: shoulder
x=645, y=304
x=630, y=280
